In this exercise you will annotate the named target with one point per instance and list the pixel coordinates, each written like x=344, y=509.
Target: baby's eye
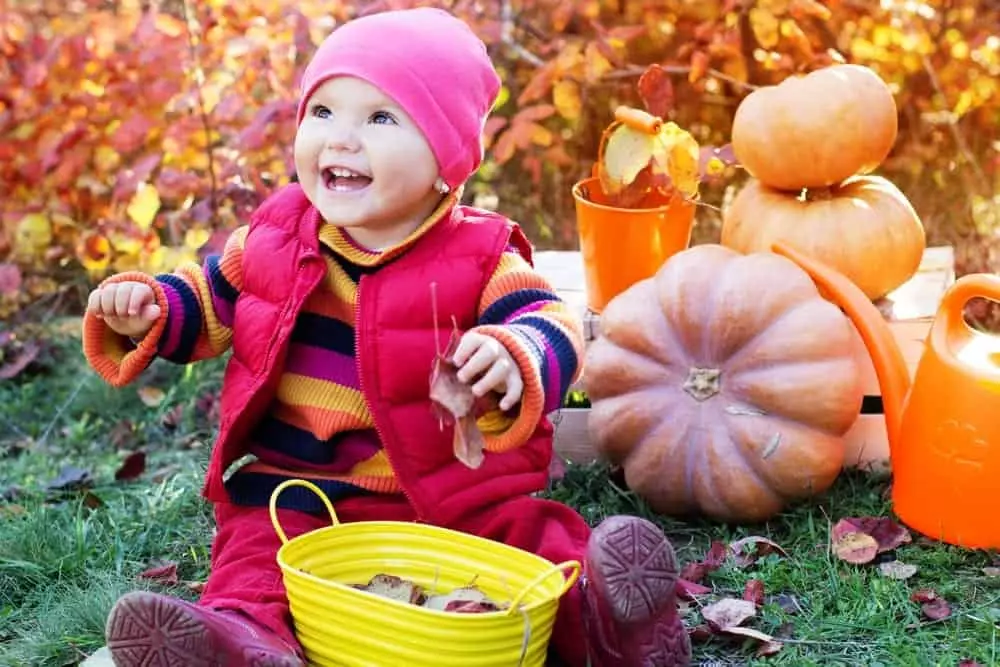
x=383, y=118
x=320, y=111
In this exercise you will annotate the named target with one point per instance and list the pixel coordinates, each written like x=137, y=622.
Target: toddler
x=333, y=302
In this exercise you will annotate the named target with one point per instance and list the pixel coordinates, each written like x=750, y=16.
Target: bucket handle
x=303, y=483
x=561, y=567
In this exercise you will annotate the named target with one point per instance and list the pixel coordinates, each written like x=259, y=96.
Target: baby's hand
x=484, y=357
x=128, y=308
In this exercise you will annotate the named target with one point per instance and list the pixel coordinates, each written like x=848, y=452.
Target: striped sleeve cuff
x=117, y=359
x=532, y=406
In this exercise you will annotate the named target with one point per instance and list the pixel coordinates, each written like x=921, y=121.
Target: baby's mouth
x=341, y=179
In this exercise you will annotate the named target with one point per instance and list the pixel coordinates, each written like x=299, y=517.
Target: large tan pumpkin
x=864, y=228
x=816, y=130
x=723, y=385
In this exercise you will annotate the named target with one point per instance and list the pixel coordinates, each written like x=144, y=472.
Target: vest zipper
x=364, y=393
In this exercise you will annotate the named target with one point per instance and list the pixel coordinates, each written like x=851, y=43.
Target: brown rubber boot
x=151, y=630
x=630, y=607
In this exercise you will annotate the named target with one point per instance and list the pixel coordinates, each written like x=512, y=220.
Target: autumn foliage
x=133, y=134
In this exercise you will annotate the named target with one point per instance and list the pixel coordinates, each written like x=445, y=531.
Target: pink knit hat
x=431, y=64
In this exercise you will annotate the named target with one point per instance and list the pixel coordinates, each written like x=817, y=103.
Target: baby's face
x=363, y=162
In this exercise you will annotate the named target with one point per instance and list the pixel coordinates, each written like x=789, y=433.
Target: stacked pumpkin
x=724, y=385
x=810, y=144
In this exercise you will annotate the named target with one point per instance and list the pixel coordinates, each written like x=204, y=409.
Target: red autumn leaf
x=753, y=591
x=129, y=178
x=747, y=550
x=657, y=91
x=132, y=134
x=165, y=574
x=132, y=467
x=716, y=556
x=968, y=662
x=688, y=590
x=922, y=595
x=937, y=609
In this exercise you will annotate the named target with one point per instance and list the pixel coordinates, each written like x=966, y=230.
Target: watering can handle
x=303, y=483
x=574, y=565
x=951, y=314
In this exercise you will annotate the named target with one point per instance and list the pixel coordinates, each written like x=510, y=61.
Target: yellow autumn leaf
x=596, y=65
x=715, y=166
x=680, y=151
x=566, y=98
x=627, y=152
x=144, y=205
x=151, y=396
x=196, y=238
x=765, y=27
x=34, y=233
x=541, y=135
x=106, y=158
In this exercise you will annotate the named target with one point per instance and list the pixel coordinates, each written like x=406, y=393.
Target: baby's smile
x=342, y=179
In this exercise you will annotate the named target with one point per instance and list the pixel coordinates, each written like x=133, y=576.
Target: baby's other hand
x=486, y=361
x=128, y=308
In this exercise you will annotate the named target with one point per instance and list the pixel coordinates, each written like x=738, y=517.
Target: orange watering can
x=944, y=427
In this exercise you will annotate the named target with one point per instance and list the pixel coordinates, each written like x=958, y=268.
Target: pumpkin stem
x=703, y=383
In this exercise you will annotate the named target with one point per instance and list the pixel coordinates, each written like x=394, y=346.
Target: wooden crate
x=909, y=312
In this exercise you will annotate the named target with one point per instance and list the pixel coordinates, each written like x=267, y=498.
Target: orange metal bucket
x=622, y=246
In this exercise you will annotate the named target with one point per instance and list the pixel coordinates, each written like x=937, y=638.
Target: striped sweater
x=319, y=427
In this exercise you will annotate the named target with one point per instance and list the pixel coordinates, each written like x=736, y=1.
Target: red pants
x=245, y=575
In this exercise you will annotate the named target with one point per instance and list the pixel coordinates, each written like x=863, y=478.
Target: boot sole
x=635, y=569
x=145, y=630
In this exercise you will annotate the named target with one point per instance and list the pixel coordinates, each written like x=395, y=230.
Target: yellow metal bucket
x=340, y=625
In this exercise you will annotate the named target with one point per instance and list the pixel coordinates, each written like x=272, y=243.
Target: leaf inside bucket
x=463, y=600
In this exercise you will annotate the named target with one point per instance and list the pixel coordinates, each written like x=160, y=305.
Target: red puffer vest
x=395, y=350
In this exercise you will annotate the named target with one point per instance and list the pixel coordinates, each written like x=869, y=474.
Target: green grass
x=65, y=556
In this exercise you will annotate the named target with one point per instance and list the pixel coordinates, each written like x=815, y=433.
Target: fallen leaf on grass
x=165, y=574
x=933, y=605
x=753, y=591
x=18, y=360
x=726, y=617
x=70, y=479
x=968, y=662
x=758, y=548
x=728, y=613
x=716, y=556
x=991, y=571
x=888, y=534
x=687, y=590
x=132, y=467
x=854, y=547
x=151, y=396
x=895, y=569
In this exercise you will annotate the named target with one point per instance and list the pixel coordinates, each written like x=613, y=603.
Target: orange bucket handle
x=567, y=584
x=303, y=483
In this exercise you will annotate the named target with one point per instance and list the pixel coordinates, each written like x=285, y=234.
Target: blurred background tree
x=135, y=133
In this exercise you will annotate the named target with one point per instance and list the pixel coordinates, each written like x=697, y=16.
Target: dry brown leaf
x=753, y=591
x=887, y=533
x=165, y=574
x=897, y=569
x=856, y=548
x=747, y=550
x=132, y=467
x=728, y=613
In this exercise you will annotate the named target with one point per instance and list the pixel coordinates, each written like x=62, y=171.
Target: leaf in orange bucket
x=657, y=91
x=626, y=153
x=677, y=156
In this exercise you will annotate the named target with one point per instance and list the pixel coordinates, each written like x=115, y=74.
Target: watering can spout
x=890, y=367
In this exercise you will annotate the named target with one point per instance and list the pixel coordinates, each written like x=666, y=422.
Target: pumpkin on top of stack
x=810, y=144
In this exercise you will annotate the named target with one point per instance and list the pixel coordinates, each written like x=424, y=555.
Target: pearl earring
x=441, y=186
